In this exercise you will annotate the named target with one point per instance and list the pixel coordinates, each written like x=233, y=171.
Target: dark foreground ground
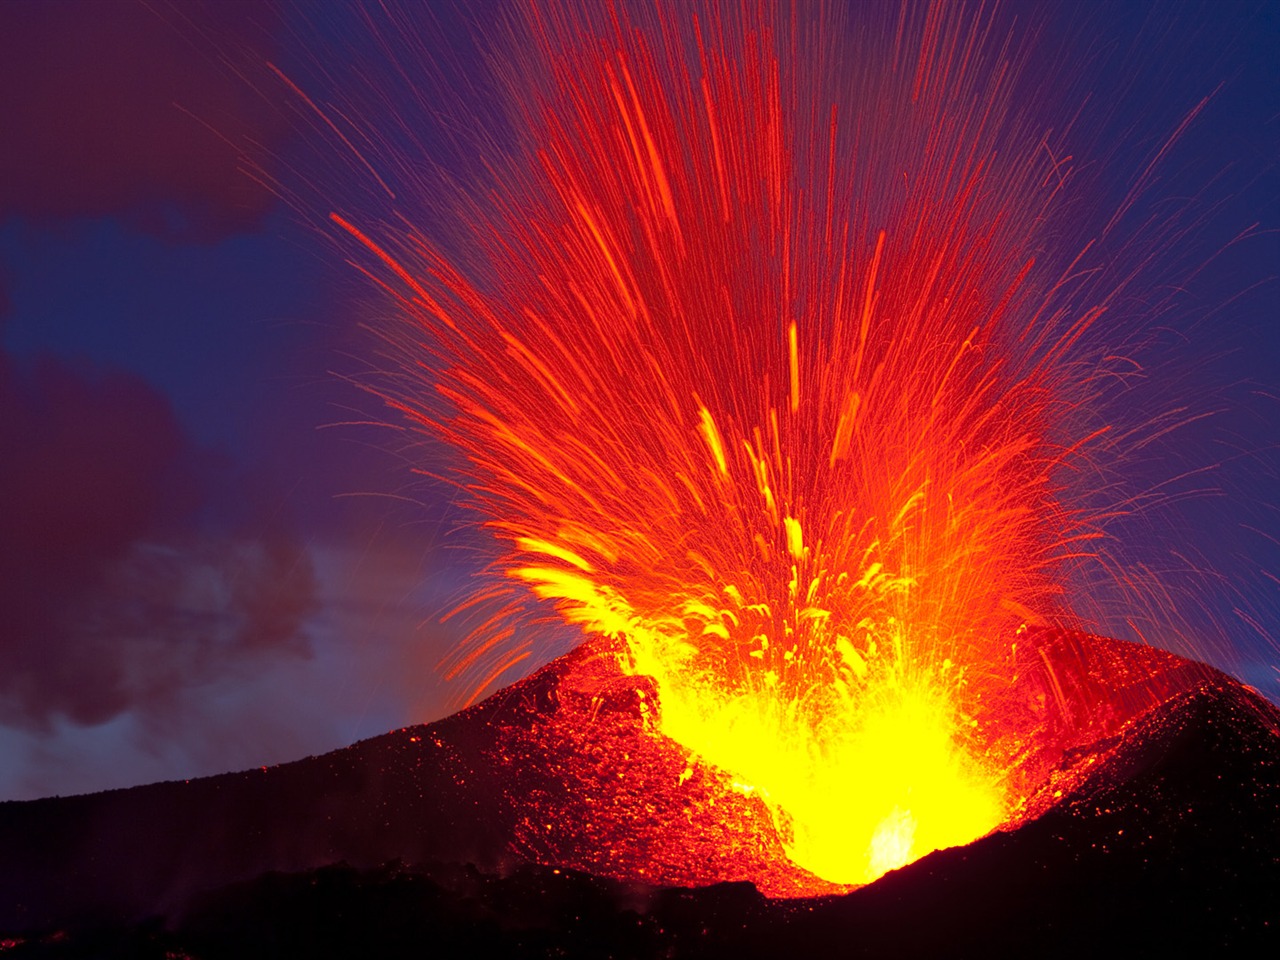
x=426, y=842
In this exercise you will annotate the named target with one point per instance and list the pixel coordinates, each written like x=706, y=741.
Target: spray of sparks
x=757, y=377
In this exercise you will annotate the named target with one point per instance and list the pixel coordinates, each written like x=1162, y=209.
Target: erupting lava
x=754, y=370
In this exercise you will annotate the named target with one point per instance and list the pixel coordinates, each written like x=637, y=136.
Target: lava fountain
x=758, y=369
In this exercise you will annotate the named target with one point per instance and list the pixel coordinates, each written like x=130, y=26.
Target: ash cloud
x=134, y=567
x=126, y=577
x=113, y=108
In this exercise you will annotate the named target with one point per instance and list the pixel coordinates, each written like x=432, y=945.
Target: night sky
x=212, y=556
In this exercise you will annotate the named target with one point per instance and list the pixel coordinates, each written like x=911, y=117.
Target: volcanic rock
x=553, y=820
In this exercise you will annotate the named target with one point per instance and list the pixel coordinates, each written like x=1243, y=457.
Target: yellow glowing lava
x=873, y=779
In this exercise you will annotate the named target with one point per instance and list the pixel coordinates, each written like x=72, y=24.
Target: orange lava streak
x=756, y=380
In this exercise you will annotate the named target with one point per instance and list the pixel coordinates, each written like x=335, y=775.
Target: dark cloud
x=119, y=592
x=124, y=108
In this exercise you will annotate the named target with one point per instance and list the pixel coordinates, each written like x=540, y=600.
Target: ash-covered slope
x=564, y=758
x=1168, y=849
x=1160, y=804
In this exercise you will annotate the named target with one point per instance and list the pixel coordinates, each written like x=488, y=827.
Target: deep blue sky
x=207, y=570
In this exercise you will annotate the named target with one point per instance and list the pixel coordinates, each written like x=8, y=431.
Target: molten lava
x=753, y=369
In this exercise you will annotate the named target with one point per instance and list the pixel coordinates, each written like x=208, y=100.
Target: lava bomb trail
x=755, y=368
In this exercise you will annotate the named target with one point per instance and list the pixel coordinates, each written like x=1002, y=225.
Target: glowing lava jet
x=754, y=371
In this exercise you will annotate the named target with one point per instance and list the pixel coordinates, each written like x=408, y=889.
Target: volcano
x=553, y=819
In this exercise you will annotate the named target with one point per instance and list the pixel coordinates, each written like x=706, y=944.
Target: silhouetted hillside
x=531, y=825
